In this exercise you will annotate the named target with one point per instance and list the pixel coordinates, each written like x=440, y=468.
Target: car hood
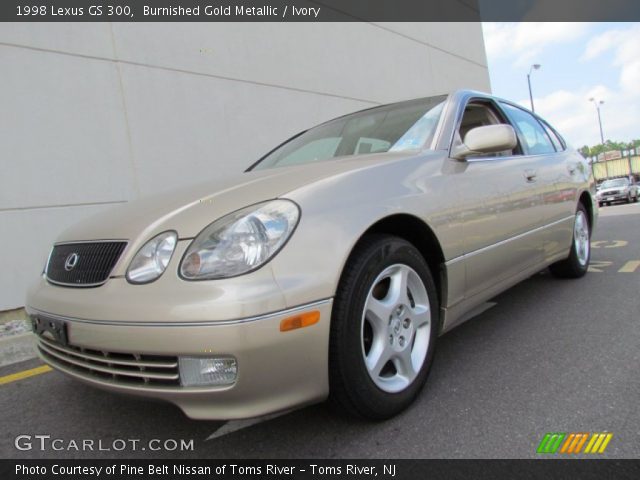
x=188, y=210
x=612, y=189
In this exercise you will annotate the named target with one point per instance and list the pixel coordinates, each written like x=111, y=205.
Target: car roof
x=456, y=95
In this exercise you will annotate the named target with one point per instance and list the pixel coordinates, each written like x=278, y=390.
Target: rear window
x=555, y=138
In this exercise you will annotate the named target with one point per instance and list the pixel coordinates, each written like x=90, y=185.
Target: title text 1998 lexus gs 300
x=327, y=269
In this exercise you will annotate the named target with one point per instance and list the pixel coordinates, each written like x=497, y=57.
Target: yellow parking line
x=630, y=267
x=14, y=377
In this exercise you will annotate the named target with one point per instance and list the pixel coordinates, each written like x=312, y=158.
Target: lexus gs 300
x=327, y=270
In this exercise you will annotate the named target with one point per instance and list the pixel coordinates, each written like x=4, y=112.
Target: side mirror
x=487, y=139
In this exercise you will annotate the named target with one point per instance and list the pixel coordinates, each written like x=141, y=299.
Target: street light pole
x=535, y=66
x=597, y=103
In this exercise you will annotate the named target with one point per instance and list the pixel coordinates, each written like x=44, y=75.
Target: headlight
x=240, y=242
x=152, y=259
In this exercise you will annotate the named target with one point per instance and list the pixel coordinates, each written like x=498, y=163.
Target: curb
x=17, y=348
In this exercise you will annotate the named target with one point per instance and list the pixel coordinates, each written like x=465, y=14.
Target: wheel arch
x=422, y=237
x=586, y=199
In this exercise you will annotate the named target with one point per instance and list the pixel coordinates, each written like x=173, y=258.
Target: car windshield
x=391, y=128
x=618, y=182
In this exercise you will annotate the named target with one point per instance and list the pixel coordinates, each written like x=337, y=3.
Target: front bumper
x=275, y=370
x=616, y=197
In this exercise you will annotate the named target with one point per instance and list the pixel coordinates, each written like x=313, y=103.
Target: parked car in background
x=327, y=269
x=616, y=190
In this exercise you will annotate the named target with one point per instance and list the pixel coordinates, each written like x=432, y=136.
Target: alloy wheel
x=396, y=328
x=581, y=237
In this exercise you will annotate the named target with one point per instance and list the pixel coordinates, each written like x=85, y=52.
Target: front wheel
x=383, y=329
x=577, y=263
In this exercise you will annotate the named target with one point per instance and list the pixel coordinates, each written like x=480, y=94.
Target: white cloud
x=576, y=117
x=624, y=43
x=600, y=44
x=523, y=42
x=570, y=111
x=572, y=114
x=622, y=46
x=630, y=77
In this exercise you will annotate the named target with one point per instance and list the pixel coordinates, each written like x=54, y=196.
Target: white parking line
x=235, y=425
x=630, y=209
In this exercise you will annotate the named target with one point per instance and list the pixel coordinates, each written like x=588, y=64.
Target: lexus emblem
x=71, y=261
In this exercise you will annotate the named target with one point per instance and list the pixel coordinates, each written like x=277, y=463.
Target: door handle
x=530, y=175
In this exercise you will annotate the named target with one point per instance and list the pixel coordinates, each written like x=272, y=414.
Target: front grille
x=612, y=192
x=121, y=368
x=83, y=264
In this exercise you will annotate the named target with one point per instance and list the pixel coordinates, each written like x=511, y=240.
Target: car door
x=503, y=207
x=571, y=173
x=556, y=168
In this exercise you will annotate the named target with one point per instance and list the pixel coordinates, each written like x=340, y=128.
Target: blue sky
x=579, y=61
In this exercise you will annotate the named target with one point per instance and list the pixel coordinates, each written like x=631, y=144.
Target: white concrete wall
x=97, y=114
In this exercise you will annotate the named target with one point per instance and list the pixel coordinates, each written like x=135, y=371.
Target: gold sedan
x=327, y=270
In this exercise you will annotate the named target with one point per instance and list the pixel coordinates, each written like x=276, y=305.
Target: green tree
x=585, y=151
x=597, y=149
x=610, y=145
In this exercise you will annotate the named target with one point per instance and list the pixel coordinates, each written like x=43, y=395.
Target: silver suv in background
x=617, y=189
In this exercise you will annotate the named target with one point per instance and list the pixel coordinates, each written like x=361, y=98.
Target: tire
x=373, y=319
x=577, y=263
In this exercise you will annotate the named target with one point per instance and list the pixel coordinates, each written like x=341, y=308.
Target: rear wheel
x=577, y=263
x=383, y=329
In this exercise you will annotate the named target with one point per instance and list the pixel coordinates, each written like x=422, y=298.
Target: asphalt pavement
x=550, y=356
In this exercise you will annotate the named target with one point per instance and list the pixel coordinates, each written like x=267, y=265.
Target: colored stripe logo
x=574, y=442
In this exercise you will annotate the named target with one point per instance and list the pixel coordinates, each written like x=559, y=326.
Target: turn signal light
x=301, y=320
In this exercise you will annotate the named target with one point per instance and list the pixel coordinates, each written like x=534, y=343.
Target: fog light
x=197, y=371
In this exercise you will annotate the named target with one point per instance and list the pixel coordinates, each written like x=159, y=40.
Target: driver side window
x=478, y=114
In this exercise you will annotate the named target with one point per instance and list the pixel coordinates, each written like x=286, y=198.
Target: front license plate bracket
x=55, y=327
